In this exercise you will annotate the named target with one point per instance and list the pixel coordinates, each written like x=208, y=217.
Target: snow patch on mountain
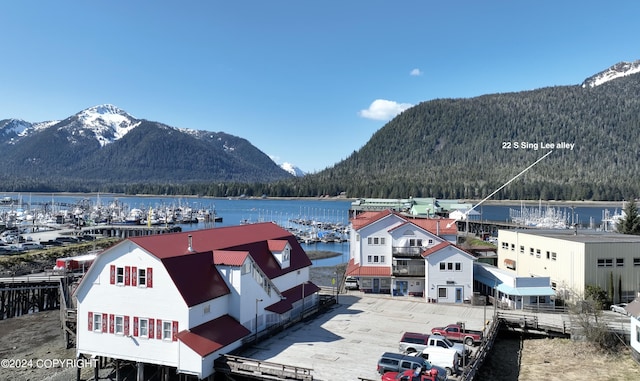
x=621, y=69
x=107, y=122
x=292, y=169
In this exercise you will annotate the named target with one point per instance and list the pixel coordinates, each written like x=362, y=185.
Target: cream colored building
x=574, y=259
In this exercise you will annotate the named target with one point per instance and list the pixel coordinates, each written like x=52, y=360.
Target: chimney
x=438, y=228
x=190, y=248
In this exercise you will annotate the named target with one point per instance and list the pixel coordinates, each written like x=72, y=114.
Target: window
x=166, y=330
x=142, y=277
x=430, y=242
x=375, y=240
x=369, y=258
x=531, y=250
x=619, y=262
x=97, y=322
x=458, y=266
x=505, y=245
x=120, y=275
x=413, y=242
x=521, y=249
x=442, y=292
x=553, y=256
x=636, y=261
x=144, y=327
x=607, y=262
x=375, y=259
x=382, y=259
x=548, y=255
x=538, y=253
x=119, y=329
x=443, y=266
x=450, y=266
x=513, y=247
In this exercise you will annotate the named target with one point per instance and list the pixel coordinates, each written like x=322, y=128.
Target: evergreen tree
x=630, y=224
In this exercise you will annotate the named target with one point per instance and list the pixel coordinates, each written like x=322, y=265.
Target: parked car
x=351, y=283
x=66, y=239
x=412, y=375
x=398, y=362
x=456, y=332
x=31, y=246
x=620, y=308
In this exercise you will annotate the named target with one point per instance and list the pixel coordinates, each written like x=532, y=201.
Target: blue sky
x=305, y=82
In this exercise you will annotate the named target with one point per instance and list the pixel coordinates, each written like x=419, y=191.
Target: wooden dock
x=261, y=370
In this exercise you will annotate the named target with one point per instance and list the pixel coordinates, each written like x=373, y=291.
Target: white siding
x=161, y=301
x=457, y=283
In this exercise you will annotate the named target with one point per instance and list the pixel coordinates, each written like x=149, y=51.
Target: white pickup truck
x=417, y=342
x=441, y=357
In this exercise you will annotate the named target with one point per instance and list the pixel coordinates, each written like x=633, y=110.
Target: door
x=401, y=287
x=458, y=294
x=376, y=285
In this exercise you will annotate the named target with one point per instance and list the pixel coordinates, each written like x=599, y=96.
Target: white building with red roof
x=399, y=255
x=181, y=300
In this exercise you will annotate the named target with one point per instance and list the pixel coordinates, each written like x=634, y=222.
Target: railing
x=407, y=251
x=408, y=270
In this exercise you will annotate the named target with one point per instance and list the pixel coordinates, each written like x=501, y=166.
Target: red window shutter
x=104, y=323
x=174, y=331
x=159, y=329
x=90, y=321
x=134, y=276
x=151, y=328
x=111, y=323
x=127, y=275
x=112, y=274
x=126, y=325
x=135, y=326
x=149, y=277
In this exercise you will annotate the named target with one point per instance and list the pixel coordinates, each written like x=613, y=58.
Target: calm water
x=283, y=212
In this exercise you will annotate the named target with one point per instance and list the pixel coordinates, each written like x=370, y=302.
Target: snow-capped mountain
x=107, y=122
x=104, y=143
x=618, y=70
x=292, y=169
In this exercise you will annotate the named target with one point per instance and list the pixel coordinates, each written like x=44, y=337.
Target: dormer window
x=281, y=251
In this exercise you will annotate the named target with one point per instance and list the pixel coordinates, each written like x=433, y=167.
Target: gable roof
x=276, y=244
x=445, y=244
x=252, y=238
x=436, y=226
x=229, y=257
x=367, y=218
x=213, y=335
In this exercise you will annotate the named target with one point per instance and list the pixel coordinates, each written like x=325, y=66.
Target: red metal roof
x=276, y=244
x=213, y=335
x=437, y=226
x=229, y=258
x=365, y=218
x=196, y=277
x=354, y=269
x=219, y=245
x=436, y=248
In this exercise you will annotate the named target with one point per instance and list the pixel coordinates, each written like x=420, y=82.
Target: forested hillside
x=445, y=148
x=466, y=148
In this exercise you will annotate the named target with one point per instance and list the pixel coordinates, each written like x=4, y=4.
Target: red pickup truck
x=456, y=332
x=412, y=375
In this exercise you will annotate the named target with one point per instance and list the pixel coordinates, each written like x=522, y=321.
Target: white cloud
x=415, y=72
x=382, y=109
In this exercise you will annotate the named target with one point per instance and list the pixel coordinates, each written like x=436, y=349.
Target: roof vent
x=190, y=248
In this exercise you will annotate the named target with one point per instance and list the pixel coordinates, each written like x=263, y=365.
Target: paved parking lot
x=346, y=342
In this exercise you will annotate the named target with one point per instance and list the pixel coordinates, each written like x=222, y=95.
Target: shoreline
x=590, y=203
